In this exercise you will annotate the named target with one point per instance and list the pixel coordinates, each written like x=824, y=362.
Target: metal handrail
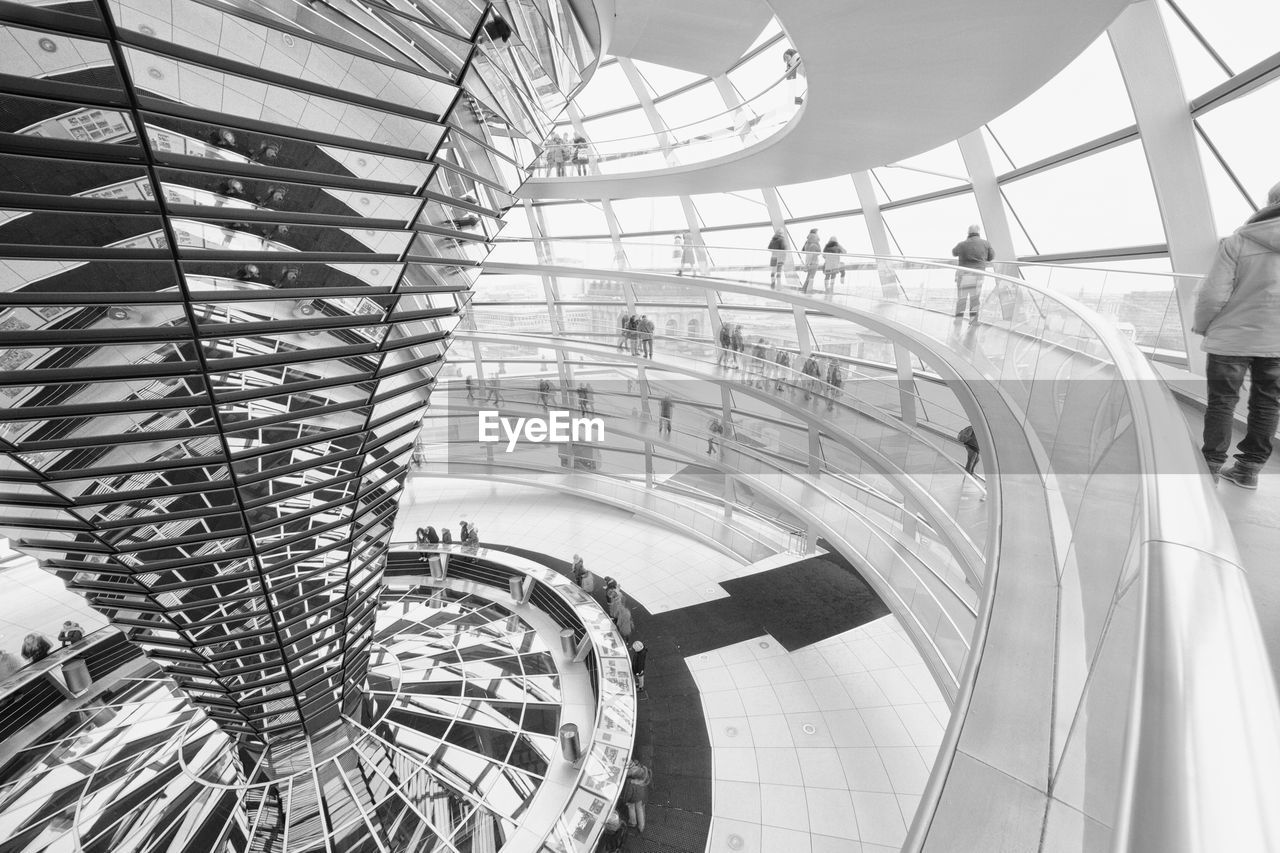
x=1180, y=525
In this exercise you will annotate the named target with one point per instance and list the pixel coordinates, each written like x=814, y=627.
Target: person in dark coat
x=783, y=360
x=777, y=255
x=664, y=416
x=812, y=376
x=970, y=442
x=646, y=336
x=71, y=633
x=726, y=344
x=832, y=263
x=635, y=793
x=737, y=343
x=35, y=647
x=639, y=656
x=972, y=254
x=835, y=378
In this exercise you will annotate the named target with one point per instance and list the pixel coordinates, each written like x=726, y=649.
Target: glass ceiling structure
x=1070, y=161
x=237, y=238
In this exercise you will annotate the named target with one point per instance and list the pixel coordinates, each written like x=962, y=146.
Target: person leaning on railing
x=972, y=254
x=832, y=263
x=1238, y=313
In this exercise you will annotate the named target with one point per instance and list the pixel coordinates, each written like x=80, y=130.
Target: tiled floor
x=821, y=750
x=824, y=749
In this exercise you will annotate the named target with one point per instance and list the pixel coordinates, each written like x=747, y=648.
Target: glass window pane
x=1245, y=132
x=1085, y=100
x=929, y=229
x=1102, y=201
x=1242, y=31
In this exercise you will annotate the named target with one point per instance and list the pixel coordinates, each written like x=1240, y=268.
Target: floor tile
x=921, y=724
x=714, y=679
x=784, y=806
x=734, y=836
x=809, y=730
x=770, y=730
x=759, y=701
x=896, y=687
x=827, y=844
x=795, y=698
x=785, y=840
x=779, y=766
x=864, y=691
x=821, y=768
x=781, y=670
x=730, y=732
x=722, y=703
x=907, y=772
x=830, y=694
x=847, y=728
x=864, y=770
x=737, y=801
x=748, y=674
x=831, y=813
x=737, y=764
x=879, y=818
x=885, y=727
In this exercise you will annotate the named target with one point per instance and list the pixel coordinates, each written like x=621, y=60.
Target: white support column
x=1150, y=74
x=615, y=234
x=906, y=384
x=986, y=191
x=646, y=103
x=729, y=95
x=695, y=234
x=875, y=230
x=815, y=451
x=804, y=335
x=538, y=231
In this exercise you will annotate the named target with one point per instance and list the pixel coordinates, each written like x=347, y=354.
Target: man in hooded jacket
x=1238, y=313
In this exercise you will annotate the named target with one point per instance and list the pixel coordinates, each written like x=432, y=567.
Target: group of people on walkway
x=468, y=536
x=768, y=366
x=732, y=345
x=562, y=153
x=635, y=333
x=548, y=392
x=814, y=256
x=36, y=647
x=486, y=390
x=630, y=812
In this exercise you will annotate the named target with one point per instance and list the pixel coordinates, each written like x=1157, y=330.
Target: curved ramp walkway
x=1117, y=692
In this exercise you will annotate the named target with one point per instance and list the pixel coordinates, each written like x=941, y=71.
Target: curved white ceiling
x=705, y=37
x=888, y=79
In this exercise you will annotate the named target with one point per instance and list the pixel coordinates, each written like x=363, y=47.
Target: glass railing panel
x=724, y=133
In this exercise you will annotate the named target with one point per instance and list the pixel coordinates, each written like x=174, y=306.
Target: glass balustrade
x=1079, y=424
x=719, y=135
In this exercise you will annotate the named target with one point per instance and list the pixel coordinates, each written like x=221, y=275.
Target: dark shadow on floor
x=671, y=736
x=798, y=604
